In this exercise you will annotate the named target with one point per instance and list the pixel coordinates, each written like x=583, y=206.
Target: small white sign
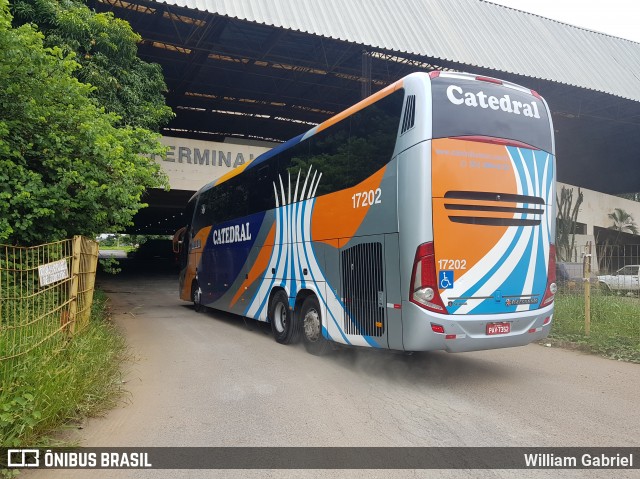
x=52, y=272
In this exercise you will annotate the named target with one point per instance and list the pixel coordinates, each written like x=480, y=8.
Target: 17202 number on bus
x=367, y=198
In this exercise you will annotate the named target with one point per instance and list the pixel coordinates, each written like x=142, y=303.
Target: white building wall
x=597, y=206
x=191, y=164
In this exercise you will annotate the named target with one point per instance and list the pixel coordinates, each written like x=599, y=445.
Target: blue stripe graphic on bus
x=293, y=255
x=523, y=250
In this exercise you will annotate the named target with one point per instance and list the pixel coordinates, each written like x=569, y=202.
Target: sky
x=620, y=18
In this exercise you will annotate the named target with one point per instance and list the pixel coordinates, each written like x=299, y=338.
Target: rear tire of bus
x=281, y=318
x=196, y=297
x=311, y=319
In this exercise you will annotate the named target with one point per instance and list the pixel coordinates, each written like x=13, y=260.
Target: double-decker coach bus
x=421, y=218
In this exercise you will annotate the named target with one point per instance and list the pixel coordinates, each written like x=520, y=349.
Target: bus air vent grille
x=521, y=210
x=481, y=220
x=489, y=196
x=409, y=118
x=363, y=284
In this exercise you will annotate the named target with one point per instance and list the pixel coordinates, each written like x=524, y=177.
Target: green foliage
x=630, y=196
x=106, y=48
x=110, y=265
x=623, y=222
x=615, y=325
x=66, y=167
x=122, y=241
x=49, y=387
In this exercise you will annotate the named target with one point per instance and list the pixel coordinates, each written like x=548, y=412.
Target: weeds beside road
x=615, y=325
x=48, y=388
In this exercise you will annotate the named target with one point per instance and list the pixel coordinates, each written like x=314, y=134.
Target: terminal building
x=246, y=75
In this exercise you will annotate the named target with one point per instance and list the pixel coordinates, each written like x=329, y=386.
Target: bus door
x=364, y=295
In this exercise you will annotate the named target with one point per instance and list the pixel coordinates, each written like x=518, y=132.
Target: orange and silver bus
x=421, y=218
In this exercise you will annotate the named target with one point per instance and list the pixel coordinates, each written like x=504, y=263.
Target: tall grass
x=615, y=324
x=47, y=388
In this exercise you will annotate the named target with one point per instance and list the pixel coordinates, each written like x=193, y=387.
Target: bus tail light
x=552, y=287
x=489, y=80
x=424, y=283
x=495, y=141
x=437, y=328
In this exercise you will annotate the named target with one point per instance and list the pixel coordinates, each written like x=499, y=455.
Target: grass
x=117, y=248
x=46, y=388
x=615, y=325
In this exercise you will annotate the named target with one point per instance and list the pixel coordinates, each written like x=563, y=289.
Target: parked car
x=625, y=279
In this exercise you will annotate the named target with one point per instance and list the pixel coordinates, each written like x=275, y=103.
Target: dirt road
x=212, y=380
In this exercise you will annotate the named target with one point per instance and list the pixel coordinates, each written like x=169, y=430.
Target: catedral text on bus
x=421, y=218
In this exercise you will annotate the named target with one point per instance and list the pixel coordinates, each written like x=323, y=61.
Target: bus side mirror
x=178, y=238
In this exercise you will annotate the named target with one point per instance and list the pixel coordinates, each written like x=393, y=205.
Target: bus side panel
x=393, y=290
x=352, y=212
x=351, y=223
x=223, y=262
x=322, y=280
x=414, y=208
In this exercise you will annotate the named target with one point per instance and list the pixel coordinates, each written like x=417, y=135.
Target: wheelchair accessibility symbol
x=446, y=279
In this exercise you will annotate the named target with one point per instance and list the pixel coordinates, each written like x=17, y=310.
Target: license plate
x=498, y=328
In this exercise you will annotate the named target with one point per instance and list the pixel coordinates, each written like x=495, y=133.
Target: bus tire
x=281, y=318
x=311, y=322
x=196, y=297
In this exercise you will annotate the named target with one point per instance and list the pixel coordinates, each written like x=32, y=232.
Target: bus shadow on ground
x=428, y=368
x=424, y=368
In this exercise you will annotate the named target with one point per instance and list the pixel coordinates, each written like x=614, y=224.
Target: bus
x=422, y=218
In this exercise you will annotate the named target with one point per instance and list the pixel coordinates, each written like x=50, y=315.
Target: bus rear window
x=464, y=107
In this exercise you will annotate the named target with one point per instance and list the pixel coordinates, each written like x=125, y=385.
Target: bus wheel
x=314, y=342
x=196, y=296
x=281, y=319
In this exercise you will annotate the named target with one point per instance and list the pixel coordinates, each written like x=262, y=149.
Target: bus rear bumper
x=469, y=332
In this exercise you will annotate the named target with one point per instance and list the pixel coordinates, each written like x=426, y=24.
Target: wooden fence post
x=89, y=263
x=75, y=278
x=587, y=289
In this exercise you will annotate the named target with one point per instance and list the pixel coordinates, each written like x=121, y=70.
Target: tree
x=623, y=222
x=630, y=196
x=106, y=48
x=566, y=223
x=66, y=166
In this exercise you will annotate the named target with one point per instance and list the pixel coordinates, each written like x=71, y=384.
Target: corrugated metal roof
x=473, y=32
